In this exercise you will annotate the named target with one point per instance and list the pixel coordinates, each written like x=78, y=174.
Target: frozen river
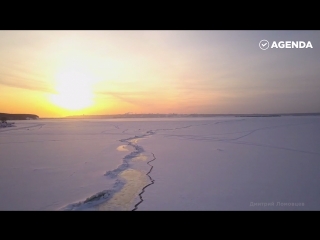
x=222, y=163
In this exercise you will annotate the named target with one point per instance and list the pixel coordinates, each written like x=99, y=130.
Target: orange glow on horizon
x=65, y=73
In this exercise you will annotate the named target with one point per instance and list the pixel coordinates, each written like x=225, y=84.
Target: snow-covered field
x=222, y=163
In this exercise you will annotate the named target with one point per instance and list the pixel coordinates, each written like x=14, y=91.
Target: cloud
x=18, y=82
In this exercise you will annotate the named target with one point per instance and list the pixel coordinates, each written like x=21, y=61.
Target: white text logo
x=264, y=44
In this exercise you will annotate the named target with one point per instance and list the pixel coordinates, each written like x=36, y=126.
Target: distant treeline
x=173, y=115
x=267, y=115
x=9, y=116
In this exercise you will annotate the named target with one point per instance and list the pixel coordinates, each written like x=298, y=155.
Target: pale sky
x=61, y=73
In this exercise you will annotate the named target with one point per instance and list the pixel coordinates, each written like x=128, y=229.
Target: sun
x=74, y=90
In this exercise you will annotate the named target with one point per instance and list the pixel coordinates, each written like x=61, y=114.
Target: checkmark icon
x=264, y=44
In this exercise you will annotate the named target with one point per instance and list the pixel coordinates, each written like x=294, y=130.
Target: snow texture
x=221, y=163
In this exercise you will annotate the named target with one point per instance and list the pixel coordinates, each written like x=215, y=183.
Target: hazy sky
x=61, y=73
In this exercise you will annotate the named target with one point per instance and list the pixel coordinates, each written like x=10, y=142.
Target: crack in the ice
x=269, y=127
x=95, y=199
x=125, y=165
x=152, y=182
x=270, y=146
x=116, y=126
x=20, y=128
x=106, y=195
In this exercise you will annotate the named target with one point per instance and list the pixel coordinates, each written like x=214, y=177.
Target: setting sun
x=74, y=90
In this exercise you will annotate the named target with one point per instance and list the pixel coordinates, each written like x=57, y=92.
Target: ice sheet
x=223, y=163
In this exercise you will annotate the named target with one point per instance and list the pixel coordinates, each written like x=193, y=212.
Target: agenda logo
x=264, y=44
